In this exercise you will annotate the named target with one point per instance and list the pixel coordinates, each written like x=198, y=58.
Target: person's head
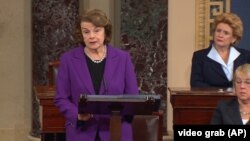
x=227, y=29
x=94, y=27
x=242, y=82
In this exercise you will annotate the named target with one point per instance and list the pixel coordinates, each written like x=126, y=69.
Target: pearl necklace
x=244, y=113
x=98, y=61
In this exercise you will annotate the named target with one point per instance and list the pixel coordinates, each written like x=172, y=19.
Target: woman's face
x=242, y=86
x=223, y=35
x=93, y=36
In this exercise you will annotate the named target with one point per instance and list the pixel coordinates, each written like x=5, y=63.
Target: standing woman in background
x=94, y=67
x=214, y=66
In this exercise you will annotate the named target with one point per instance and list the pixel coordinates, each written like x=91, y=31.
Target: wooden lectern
x=117, y=106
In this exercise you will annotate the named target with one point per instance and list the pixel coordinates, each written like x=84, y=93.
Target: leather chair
x=145, y=127
x=148, y=127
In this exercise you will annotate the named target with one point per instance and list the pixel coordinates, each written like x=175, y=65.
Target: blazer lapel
x=111, y=63
x=80, y=63
x=233, y=112
x=216, y=67
x=238, y=62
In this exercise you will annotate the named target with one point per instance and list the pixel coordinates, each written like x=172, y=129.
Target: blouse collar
x=214, y=55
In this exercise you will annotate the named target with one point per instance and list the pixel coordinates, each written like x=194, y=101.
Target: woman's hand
x=84, y=117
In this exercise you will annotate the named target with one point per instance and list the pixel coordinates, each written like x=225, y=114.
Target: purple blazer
x=73, y=79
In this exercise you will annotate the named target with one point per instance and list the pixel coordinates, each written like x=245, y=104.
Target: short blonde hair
x=245, y=69
x=233, y=21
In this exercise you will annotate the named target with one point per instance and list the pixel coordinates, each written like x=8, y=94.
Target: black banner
x=212, y=132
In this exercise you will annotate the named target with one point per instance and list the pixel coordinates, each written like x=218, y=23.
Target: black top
x=96, y=71
x=227, y=112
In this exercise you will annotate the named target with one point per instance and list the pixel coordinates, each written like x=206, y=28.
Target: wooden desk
x=144, y=127
x=52, y=119
x=196, y=105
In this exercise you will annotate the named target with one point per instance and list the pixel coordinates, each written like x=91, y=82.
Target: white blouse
x=244, y=121
x=227, y=68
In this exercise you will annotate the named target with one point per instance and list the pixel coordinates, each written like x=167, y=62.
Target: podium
x=117, y=106
x=145, y=127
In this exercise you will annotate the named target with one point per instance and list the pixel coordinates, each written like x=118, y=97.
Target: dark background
x=242, y=9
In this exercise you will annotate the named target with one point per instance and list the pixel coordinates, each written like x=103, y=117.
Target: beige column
x=15, y=70
x=181, y=44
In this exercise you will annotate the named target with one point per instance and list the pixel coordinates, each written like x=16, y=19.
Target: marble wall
x=144, y=35
x=54, y=23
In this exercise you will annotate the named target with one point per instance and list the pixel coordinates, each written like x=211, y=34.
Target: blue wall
x=242, y=8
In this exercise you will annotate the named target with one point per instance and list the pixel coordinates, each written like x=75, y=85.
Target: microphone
x=105, y=83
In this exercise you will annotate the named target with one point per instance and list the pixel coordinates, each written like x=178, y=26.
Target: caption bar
x=214, y=132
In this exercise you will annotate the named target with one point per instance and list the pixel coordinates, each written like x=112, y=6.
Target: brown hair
x=99, y=19
x=233, y=21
